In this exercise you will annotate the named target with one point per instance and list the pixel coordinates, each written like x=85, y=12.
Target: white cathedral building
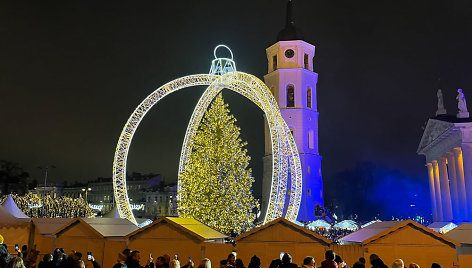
x=447, y=146
x=292, y=81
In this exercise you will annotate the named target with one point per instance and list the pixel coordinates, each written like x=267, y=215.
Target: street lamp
x=86, y=190
x=45, y=168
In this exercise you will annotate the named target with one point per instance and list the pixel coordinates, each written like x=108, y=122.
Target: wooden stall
x=281, y=235
x=407, y=240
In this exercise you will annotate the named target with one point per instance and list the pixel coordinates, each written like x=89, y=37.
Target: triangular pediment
x=434, y=129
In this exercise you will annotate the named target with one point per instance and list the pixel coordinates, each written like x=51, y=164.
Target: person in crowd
x=398, y=263
x=24, y=251
x=16, y=262
x=413, y=265
x=255, y=262
x=30, y=256
x=287, y=261
x=78, y=264
x=223, y=263
x=239, y=263
x=120, y=261
x=275, y=263
x=47, y=262
x=57, y=258
x=376, y=262
x=231, y=261
x=72, y=259
x=94, y=263
x=161, y=262
x=205, y=263
x=360, y=263
x=309, y=262
x=126, y=252
x=77, y=256
x=339, y=260
x=4, y=255
x=68, y=260
x=167, y=258
x=189, y=264
x=329, y=260
x=436, y=265
x=174, y=263
x=134, y=258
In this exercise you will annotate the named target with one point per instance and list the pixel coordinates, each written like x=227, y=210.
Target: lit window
x=308, y=97
x=290, y=96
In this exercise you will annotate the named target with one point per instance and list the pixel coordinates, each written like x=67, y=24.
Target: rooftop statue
x=461, y=105
x=441, y=109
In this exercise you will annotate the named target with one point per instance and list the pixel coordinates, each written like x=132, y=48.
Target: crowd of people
x=35, y=206
x=333, y=234
x=27, y=258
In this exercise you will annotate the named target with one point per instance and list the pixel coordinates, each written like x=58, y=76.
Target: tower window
x=290, y=96
x=272, y=90
x=292, y=132
x=311, y=140
x=305, y=61
x=308, y=97
x=274, y=62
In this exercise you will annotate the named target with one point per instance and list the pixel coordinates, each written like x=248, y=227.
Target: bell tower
x=292, y=81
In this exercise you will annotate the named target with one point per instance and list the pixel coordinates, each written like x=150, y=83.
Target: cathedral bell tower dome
x=290, y=32
x=292, y=81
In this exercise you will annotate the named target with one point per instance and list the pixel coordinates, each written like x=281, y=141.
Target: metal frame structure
x=285, y=157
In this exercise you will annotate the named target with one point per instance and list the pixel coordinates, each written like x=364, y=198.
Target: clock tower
x=292, y=81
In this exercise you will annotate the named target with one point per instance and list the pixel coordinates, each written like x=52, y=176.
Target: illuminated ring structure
x=285, y=158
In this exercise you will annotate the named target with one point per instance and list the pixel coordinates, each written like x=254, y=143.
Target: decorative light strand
x=285, y=155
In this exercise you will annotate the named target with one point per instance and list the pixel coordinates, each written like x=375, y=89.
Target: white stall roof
x=12, y=208
x=346, y=224
x=320, y=223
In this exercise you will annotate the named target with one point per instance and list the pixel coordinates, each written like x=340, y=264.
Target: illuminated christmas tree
x=215, y=186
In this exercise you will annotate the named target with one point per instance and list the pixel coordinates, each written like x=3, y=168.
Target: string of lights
x=35, y=206
x=285, y=158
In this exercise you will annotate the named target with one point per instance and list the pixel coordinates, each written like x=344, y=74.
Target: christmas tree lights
x=215, y=185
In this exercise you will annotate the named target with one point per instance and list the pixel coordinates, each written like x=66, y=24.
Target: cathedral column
x=459, y=165
x=437, y=188
x=467, y=163
x=445, y=191
x=432, y=192
x=452, y=174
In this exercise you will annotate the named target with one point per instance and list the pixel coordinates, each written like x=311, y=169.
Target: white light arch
x=285, y=156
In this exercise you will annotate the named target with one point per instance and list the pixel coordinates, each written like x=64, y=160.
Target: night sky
x=72, y=72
